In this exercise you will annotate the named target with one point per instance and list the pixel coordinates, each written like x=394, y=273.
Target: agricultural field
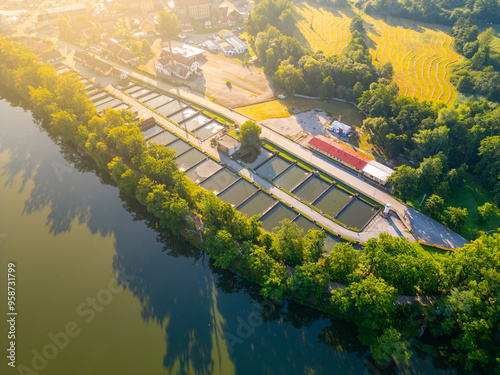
x=324, y=30
x=421, y=54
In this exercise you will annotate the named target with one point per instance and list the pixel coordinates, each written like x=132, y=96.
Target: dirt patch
x=311, y=122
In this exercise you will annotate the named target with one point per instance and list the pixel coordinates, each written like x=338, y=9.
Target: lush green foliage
x=250, y=135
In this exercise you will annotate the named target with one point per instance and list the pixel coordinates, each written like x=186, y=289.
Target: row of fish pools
x=329, y=199
x=184, y=115
x=232, y=188
x=99, y=97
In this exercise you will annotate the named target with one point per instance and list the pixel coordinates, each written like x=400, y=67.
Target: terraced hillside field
x=324, y=30
x=421, y=54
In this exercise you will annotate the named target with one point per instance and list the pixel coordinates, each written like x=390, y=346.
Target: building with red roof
x=338, y=152
x=350, y=158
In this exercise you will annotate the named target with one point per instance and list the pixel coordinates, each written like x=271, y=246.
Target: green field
x=421, y=53
x=495, y=44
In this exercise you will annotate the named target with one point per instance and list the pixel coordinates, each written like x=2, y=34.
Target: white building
x=340, y=128
x=238, y=45
x=211, y=45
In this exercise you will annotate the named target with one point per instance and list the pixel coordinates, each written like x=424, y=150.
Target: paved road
x=425, y=228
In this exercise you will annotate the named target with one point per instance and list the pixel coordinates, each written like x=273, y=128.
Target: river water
x=99, y=290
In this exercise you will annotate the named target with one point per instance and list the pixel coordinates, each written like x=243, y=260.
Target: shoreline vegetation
x=288, y=264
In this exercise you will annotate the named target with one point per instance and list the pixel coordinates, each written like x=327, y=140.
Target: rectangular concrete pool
x=195, y=122
x=255, y=158
x=274, y=217
x=149, y=96
x=356, y=214
x=152, y=131
x=238, y=192
x=142, y=92
x=170, y=107
x=132, y=89
x=209, y=130
x=179, y=146
x=102, y=100
x=305, y=224
x=163, y=138
x=182, y=115
x=189, y=159
x=219, y=181
x=109, y=104
x=273, y=167
x=158, y=101
x=121, y=106
x=310, y=189
x=291, y=177
x=257, y=204
x=333, y=201
x=203, y=170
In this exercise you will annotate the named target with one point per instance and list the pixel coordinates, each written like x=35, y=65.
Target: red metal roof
x=347, y=155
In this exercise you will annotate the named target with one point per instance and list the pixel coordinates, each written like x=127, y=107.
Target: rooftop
x=227, y=141
x=339, y=151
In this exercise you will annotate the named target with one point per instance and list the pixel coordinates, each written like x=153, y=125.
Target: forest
x=288, y=263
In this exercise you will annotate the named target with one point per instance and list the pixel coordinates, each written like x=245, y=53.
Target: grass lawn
x=293, y=105
x=495, y=44
x=471, y=195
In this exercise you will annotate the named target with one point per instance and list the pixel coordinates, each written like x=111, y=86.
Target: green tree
x=369, y=302
x=135, y=46
x=485, y=212
x=455, y=217
x=167, y=24
x=250, y=135
x=289, y=78
x=65, y=125
x=223, y=248
x=288, y=245
x=434, y=206
x=309, y=280
x=327, y=88
x=342, y=262
x=314, y=245
x=65, y=31
x=404, y=181
x=145, y=47
x=390, y=346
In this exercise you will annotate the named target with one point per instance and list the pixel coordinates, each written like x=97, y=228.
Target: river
x=99, y=290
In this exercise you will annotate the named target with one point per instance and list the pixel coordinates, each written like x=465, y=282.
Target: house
x=226, y=34
x=96, y=64
x=80, y=56
x=147, y=25
x=340, y=128
x=195, y=9
x=225, y=47
x=228, y=145
x=118, y=73
x=51, y=56
x=36, y=46
x=185, y=55
x=238, y=45
x=163, y=66
x=354, y=160
x=185, y=24
x=119, y=52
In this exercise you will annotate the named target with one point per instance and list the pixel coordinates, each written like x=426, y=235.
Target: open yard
x=290, y=106
x=421, y=53
x=495, y=44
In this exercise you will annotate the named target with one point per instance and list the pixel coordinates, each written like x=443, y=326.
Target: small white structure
x=228, y=145
x=339, y=128
x=377, y=171
x=387, y=208
x=226, y=34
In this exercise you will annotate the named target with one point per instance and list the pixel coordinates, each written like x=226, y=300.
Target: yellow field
x=421, y=54
x=329, y=32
